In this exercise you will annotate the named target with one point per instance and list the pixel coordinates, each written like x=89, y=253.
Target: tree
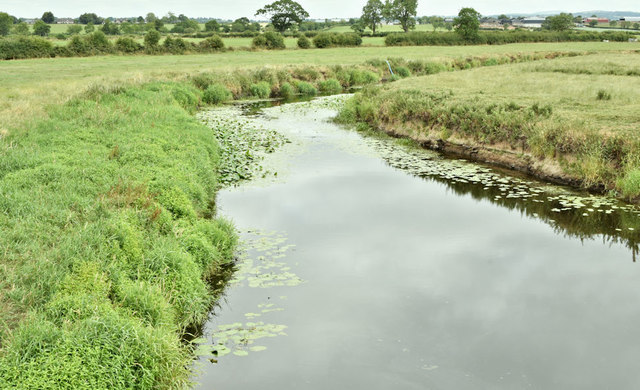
x=6, y=22
x=212, y=25
x=404, y=11
x=21, y=28
x=613, y=23
x=151, y=17
x=372, y=14
x=140, y=19
x=89, y=18
x=151, y=39
x=109, y=28
x=593, y=23
x=467, y=24
x=560, y=22
x=284, y=14
x=636, y=26
x=41, y=28
x=48, y=17
x=358, y=27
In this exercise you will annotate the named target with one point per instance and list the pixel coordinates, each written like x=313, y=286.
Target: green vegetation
x=284, y=14
x=467, y=25
x=269, y=40
x=108, y=240
x=467, y=36
x=565, y=120
x=324, y=40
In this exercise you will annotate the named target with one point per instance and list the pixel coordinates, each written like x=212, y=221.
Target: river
x=370, y=264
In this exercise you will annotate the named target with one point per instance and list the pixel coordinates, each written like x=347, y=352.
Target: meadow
x=578, y=115
x=27, y=87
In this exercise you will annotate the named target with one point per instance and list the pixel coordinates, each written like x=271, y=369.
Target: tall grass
x=108, y=240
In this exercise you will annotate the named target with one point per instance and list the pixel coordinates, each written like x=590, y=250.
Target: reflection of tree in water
x=571, y=214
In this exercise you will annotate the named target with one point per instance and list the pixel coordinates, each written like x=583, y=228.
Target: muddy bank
x=501, y=155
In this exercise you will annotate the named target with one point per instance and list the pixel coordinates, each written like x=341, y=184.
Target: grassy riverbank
x=573, y=119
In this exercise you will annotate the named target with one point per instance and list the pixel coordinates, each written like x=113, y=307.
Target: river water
x=369, y=264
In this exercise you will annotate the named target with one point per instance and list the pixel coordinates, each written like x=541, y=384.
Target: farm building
x=599, y=20
x=531, y=22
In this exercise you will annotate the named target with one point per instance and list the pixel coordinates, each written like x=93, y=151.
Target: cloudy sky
x=232, y=9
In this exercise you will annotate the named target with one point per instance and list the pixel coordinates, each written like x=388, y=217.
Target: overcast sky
x=232, y=9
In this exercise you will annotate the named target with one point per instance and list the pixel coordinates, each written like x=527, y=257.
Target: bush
x=261, y=90
x=24, y=47
x=330, y=87
x=175, y=46
x=269, y=40
x=303, y=42
x=324, y=40
x=213, y=43
x=305, y=88
x=216, y=94
x=286, y=91
x=151, y=39
x=128, y=45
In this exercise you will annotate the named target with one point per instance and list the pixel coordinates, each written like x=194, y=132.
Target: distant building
x=65, y=21
x=599, y=20
x=531, y=22
x=633, y=19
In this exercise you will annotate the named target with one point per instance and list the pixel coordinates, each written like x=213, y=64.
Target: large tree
x=372, y=14
x=467, y=24
x=48, y=17
x=89, y=18
x=284, y=14
x=560, y=22
x=404, y=11
x=6, y=21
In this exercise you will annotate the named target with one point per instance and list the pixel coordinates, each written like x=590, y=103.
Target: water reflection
x=448, y=278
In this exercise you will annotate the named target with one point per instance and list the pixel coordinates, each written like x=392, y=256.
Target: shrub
x=216, y=94
x=303, y=42
x=175, y=46
x=151, y=39
x=305, y=88
x=213, y=43
x=286, y=91
x=98, y=43
x=324, y=40
x=25, y=47
x=261, y=90
x=269, y=40
x=330, y=87
x=127, y=45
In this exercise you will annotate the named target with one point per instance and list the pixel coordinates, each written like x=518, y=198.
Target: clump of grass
x=286, y=91
x=403, y=71
x=603, y=95
x=306, y=89
x=261, y=90
x=330, y=86
x=629, y=184
x=216, y=94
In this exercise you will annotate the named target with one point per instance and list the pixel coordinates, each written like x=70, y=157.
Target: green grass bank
x=107, y=210
x=570, y=120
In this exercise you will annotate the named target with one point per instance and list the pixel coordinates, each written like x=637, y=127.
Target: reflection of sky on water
x=412, y=285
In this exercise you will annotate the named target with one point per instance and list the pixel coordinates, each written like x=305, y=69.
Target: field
x=579, y=112
x=28, y=86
